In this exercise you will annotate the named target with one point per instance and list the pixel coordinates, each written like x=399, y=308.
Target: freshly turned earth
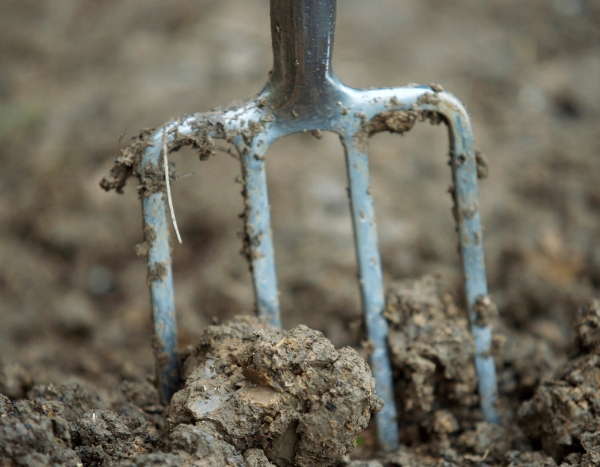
x=254, y=396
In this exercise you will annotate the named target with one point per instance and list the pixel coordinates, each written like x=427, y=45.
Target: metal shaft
x=160, y=280
x=302, y=80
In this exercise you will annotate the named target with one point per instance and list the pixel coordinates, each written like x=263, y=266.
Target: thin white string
x=168, y=184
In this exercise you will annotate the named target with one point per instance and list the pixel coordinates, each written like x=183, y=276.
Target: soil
x=76, y=363
x=293, y=395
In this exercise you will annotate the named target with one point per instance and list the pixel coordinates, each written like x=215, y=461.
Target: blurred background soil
x=74, y=76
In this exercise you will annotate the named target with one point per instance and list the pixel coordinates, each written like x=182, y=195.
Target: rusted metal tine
x=303, y=94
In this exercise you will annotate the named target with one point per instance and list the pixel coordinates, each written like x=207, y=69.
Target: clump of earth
x=292, y=395
x=564, y=414
x=432, y=353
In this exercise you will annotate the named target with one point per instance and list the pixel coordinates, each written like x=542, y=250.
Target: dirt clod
x=485, y=310
x=588, y=328
x=564, y=414
x=432, y=350
x=127, y=162
x=103, y=437
x=483, y=169
x=394, y=122
x=156, y=272
x=203, y=441
x=293, y=395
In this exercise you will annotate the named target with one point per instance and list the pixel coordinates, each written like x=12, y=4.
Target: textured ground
x=73, y=298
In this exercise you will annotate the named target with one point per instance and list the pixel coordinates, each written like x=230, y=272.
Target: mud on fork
x=303, y=94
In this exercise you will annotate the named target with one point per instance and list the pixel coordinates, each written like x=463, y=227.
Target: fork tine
x=160, y=279
x=466, y=198
x=258, y=241
x=371, y=288
x=468, y=218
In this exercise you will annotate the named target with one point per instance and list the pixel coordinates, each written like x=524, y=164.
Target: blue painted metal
x=303, y=94
x=464, y=172
x=160, y=276
x=371, y=288
x=258, y=230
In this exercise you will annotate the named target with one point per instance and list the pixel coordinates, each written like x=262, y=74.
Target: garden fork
x=303, y=94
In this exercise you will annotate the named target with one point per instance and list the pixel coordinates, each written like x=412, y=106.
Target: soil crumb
x=290, y=395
